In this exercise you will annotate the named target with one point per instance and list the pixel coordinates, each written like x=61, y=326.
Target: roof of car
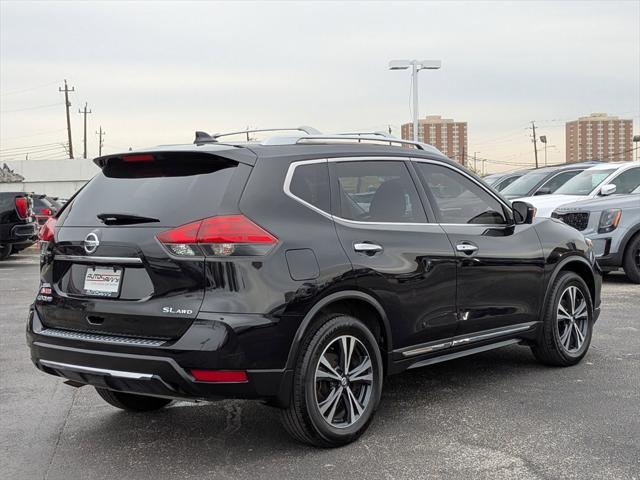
x=608, y=165
x=302, y=147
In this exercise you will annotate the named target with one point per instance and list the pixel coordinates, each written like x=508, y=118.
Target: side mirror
x=608, y=189
x=523, y=212
x=543, y=191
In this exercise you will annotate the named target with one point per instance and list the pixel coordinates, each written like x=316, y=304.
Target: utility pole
x=84, y=112
x=389, y=129
x=101, y=133
x=535, y=141
x=475, y=162
x=67, y=105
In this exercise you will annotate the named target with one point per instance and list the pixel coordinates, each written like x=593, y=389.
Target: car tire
x=631, y=261
x=131, y=402
x=5, y=251
x=567, y=324
x=332, y=405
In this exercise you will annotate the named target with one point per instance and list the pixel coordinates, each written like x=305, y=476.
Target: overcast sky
x=154, y=72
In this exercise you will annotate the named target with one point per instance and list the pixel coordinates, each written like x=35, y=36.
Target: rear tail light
x=46, y=211
x=223, y=236
x=47, y=230
x=220, y=376
x=22, y=207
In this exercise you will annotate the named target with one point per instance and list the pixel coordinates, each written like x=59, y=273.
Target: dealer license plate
x=102, y=282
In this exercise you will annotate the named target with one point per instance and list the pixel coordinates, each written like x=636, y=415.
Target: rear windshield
x=167, y=193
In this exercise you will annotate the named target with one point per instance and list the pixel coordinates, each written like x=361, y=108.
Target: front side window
x=627, y=181
x=585, y=182
x=458, y=199
x=377, y=191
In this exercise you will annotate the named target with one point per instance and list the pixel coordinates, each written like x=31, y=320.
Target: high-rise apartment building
x=599, y=137
x=446, y=135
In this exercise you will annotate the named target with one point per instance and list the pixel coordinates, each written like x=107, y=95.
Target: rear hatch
x=107, y=271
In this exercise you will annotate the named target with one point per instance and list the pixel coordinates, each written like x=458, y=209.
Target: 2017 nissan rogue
x=300, y=271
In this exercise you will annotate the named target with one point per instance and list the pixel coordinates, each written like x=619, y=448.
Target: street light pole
x=414, y=80
x=416, y=66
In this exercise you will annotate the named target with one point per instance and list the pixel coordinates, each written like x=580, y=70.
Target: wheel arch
x=352, y=302
x=626, y=240
x=578, y=265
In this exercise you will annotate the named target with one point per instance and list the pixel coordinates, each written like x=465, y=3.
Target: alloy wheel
x=343, y=381
x=572, y=319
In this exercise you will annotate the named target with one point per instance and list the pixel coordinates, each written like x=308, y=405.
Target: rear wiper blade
x=124, y=219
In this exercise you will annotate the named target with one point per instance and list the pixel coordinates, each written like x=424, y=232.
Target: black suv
x=18, y=229
x=300, y=271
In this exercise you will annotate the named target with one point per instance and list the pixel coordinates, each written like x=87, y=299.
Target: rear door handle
x=368, y=248
x=466, y=248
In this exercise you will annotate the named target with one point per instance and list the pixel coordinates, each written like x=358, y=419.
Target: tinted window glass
x=523, y=185
x=627, y=181
x=311, y=184
x=377, y=191
x=559, y=180
x=505, y=183
x=457, y=198
x=175, y=193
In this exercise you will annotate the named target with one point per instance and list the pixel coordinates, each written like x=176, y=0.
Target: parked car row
x=21, y=215
x=599, y=199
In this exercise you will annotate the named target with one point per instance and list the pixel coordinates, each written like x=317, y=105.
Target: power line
x=30, y=146
x=15, y=92
x=36, y=107
x=45, y=132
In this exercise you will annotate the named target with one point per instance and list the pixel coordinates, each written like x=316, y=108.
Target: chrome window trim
x=101, y=260
x=347, y=222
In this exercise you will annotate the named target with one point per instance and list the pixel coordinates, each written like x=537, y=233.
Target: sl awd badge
x=177, y=311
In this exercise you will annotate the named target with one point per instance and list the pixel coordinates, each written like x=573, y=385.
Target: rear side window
x=172, y=192
x=458, y=199
x=377, y=191
x=310, y=182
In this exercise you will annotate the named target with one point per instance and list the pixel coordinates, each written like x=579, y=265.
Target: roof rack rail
x=203, y=137
x=374, y=133
x=354, y=138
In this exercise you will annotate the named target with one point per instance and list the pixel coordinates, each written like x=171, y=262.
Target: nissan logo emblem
x=91, y=243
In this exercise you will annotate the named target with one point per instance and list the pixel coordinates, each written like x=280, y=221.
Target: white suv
x=601, y=180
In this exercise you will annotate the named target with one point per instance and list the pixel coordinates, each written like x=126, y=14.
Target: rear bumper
x=20, y=235
x=145, y=370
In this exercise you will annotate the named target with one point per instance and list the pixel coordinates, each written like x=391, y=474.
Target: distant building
x=599, y=137
x=446, y=135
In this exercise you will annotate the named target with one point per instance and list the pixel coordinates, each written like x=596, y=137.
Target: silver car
x=613, y=225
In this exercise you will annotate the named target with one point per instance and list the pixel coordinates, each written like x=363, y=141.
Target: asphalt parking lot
x=496, y=415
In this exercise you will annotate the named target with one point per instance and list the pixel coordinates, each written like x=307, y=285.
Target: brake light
x=22, y=207
x=47, y=230
x=218, y=236
x=220, y=376
x=46, y=211
x=144, y=157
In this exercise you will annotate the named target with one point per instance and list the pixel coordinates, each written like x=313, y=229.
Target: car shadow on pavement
x=216, y=437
